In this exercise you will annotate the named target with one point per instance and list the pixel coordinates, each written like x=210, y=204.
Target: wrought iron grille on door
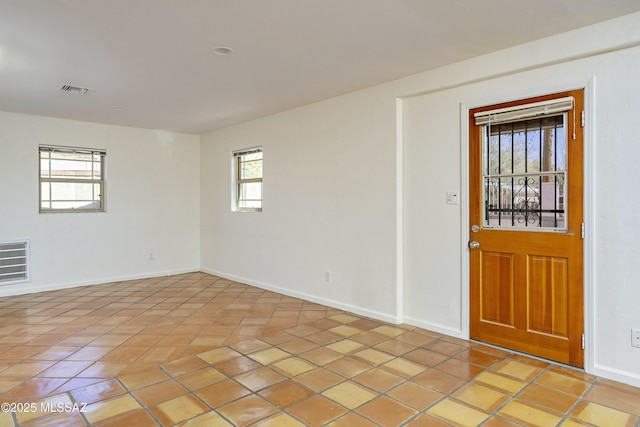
x=525, y=174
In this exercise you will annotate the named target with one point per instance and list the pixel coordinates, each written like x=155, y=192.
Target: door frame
x=589, y=209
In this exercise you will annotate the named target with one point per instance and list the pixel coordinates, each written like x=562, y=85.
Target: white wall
x=329, y=204
x=152, y=204
x=330, y=198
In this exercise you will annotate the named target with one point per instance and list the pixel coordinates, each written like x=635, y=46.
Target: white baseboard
x=617, y=375
x=456, y=333
x=307, y=297
x=25, y=289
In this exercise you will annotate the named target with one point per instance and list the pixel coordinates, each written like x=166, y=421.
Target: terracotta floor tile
x=496, y=421
x=617, y=398
x=372, y=356
x=386, y=412
x=250, y=346
x=237, y=366
x=57, y=420
x=459, y=369
x=548, y=398
x=319, y=379
x=34, y=388
x=425, y=357
x=247, y=410
x=219, y=355
x=395, y=347
x=103, y=370
x=344, y=318
x=414, y=395
x=379, y=379
x=477, y=357
x=208, y=419
x=178, y=409
x=351, y=420
x=125, y=353
x=297, y=346
x=369, y=338
x=563, y=383
x=501, y=383
x=321, y=356
x=143, y=378
x=269, y=356
x=349, y=394
x=481, y=397
x=221, y=393
x=24, y=352
x=345, y=331
x=517, y=369
x=423, y=420
x=43, y=408
x=259, y=378
x=302, y=330
x=415, y=338
x=160, y=392
x=316, y=411
x=109, y=409
x=27, y=368
x=345, y=346
x=347, y=367
x=455, y=412
x=323, y=338
x=293, y=366
x=403, y=367
x=100, y=391
x=139, y=418
x=184, y=366
x=279, y=420
x=286, y=393
x=529, y=414
x=65, y=369
x=198, y=379
x=600, y=415
x=438, y=381
x=90, y=353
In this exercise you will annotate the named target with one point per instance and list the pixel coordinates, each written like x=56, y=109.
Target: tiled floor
x=197, y=350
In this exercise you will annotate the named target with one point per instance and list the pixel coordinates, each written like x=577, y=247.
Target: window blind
x=523, y=112
x=247, y=151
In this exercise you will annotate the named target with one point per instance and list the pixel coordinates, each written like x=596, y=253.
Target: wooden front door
x=526, y=222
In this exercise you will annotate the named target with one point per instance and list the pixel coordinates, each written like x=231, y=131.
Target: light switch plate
x=452, y=198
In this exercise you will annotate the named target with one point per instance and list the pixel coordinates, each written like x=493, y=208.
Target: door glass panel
x=525, y=174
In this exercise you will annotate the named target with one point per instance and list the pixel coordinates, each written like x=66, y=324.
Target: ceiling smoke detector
x=73, y=89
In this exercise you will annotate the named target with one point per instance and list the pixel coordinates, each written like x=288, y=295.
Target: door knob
x=473, y=245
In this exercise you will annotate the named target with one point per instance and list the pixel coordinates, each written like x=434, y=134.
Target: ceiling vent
x=73, y=89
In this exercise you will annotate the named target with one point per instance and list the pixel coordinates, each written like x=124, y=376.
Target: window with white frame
x=247, y=185
x=71, y=179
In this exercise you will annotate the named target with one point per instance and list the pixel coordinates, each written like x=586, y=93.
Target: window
x=524, y=165
x=71, y=179
x=248, y=180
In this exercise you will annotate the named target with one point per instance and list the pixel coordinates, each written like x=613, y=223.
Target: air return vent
x=73, y=89
x=14, y=262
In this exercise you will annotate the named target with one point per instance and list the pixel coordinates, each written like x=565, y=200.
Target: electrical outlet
x=635, y=338
x=327, y=276
x=150, y=256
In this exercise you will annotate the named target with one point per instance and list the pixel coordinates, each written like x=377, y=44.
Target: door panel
x=497, y=284
x=526, y=192
x=548, y=295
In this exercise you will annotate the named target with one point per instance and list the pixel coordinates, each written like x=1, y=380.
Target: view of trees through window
x=524, y=166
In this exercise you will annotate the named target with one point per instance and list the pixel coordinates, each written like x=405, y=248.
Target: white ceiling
x=150, y=63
